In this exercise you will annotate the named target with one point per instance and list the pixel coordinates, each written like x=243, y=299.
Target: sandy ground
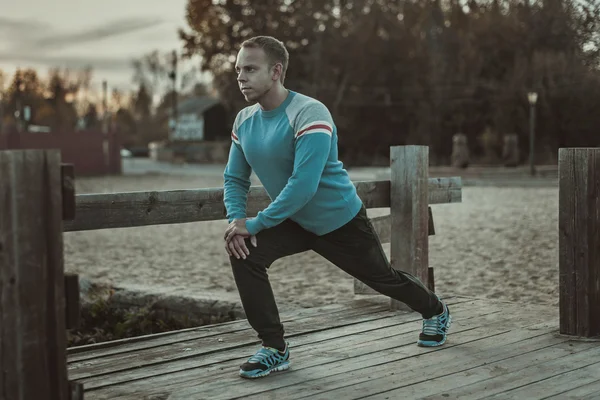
x=499, y=243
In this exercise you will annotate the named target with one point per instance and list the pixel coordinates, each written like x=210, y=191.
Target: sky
x=105, y=34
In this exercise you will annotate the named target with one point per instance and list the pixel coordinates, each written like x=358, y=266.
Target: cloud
x=27, y=36
x=22, y=30
x=111, y=29
x=16, y=24
x=36, y=44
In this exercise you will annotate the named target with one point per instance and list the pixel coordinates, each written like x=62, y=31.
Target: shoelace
x=431, y=326
x=265, y=356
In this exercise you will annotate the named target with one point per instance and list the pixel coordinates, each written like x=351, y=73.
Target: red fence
x=84, y=149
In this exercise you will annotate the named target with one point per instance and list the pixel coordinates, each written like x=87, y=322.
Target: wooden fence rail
x=131, y=209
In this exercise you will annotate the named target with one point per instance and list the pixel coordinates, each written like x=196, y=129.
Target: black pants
x=355, y=248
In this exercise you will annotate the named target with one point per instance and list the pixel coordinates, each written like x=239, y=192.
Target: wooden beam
x=409, y=210
x=131, y=209
x=383, y=227
x=76, y=390
x=32, y=312
x=444, y=190
x=579, y=241
x=72, y=302
x=431, y=280
x=431, y=227
x=67, y=172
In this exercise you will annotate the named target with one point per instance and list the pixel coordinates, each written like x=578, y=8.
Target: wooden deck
x=358, y=350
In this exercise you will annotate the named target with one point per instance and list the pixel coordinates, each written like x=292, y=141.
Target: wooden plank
x=130, y=209
x=308, y=351
x=555, y=384
x=334, y=348
x=232, y=353
x=72, y=306
x=331, y=379
x=409, y=244
x=510, y=373
x=67, y=172
x=213, y=365
x=579, y=241
x=197, y=347
x=360, y=378
x=32, y=312
x=319, y=369
x=590, y=391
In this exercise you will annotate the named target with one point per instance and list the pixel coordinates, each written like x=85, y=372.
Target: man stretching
x=290, y=141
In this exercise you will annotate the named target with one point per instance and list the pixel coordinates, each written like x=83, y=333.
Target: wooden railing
x=130, y=209
x=38, y=204
x=408, y=194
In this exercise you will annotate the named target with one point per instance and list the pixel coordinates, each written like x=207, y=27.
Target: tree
x=151, y=72
x=25, y=89
x=61, y=90
x=127, y=128
x=420, y=71
x=2, y=83
x=142, y=103
x=90, y=118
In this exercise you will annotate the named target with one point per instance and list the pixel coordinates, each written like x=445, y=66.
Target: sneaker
x=435, y=329
x=265, y=361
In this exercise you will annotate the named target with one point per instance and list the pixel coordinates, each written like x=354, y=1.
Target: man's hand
x=236, y=227
x=235, y=236
x=237, y=248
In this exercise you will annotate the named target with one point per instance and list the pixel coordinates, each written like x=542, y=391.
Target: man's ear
x=277, y=71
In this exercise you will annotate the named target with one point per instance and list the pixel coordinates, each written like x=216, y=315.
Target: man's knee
x=253, y=261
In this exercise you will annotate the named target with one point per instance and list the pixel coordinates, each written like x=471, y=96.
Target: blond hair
x=273, y=48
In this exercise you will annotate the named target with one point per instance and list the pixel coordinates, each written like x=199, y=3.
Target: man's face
x=255, y=77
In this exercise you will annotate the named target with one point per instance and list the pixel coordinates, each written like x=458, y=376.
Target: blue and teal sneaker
x=265, y=361
x=435, y=329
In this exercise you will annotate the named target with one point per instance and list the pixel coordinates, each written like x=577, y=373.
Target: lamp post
x=532, y=97
x=18, y=112
x=1, y=112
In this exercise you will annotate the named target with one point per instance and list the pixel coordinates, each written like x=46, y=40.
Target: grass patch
x=102, y=321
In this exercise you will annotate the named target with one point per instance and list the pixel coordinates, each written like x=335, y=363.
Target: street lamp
x=532, y=97
x=1, y=112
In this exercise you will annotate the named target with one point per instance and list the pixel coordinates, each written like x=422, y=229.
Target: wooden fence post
x=409, y=202
x=579, y=241
x=32, y=311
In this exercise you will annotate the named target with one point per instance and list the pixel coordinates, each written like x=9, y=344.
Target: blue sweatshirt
x=293, y=151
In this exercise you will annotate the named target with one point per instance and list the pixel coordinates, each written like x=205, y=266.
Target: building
x=200, y=118
x=201, y=134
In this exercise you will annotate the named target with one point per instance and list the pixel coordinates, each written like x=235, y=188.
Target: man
x=290, y=141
